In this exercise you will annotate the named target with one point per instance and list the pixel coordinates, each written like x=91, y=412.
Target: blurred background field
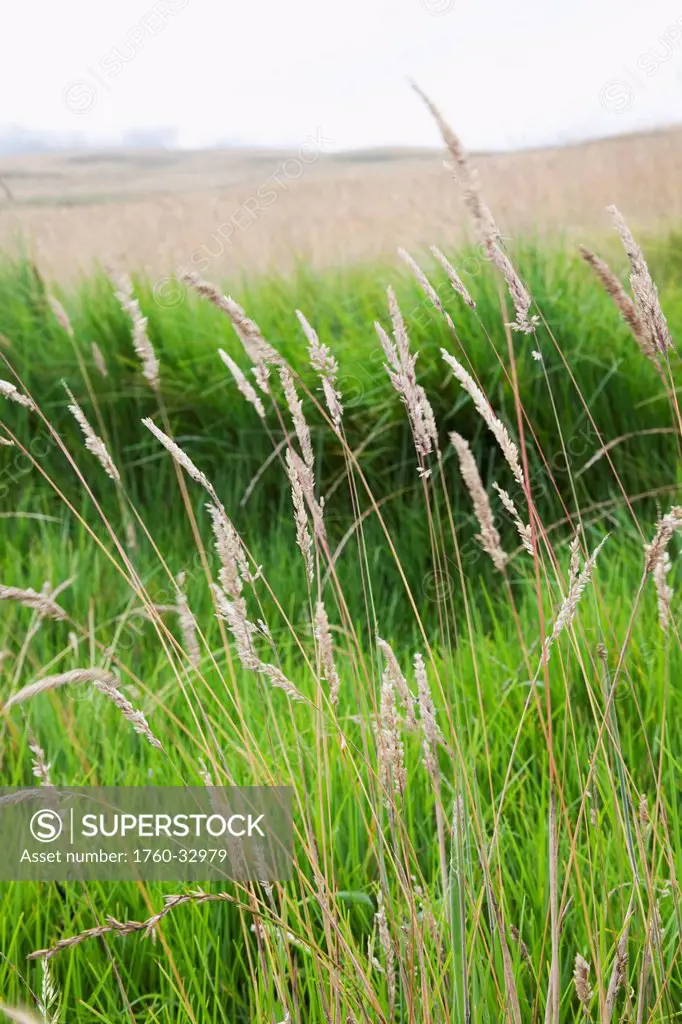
x=155, y=210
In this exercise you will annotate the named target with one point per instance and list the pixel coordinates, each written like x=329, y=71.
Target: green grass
x=480, y=634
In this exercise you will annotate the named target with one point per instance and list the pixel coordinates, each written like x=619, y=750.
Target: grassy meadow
x=457, y=848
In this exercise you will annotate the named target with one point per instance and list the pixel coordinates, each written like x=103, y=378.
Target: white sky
x=273, y=72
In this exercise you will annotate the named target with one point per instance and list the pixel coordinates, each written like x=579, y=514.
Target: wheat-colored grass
x=156, y=211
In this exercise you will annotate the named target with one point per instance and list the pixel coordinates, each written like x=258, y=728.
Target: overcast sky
x=268, y=72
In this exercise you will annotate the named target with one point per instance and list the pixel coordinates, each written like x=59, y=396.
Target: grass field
x=222, y=212
x=540, y=817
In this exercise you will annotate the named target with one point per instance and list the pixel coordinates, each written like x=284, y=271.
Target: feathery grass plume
x=390, y=755
x=171, y=901
x=431, y=734
x=644, y=290
x=296, y=410
x=303, y=536
x=627, y=308
x=18, y=1015
x=324, y=363
x=485, y=410
x=517, y=290
x=234, y=567
x=581, y=980
x=182, y=459
x=188, y=625
x=41, y=603
x=39, y=766
x=468, y=176
x=524, y=531
x=233, y=612
x=388, y=952
x=658, y=561
x=488, y=538
x=619, y=969
x=324, y=639
x=8, y=390
x=75, y=677
x=246, y=388
x=260, y=352
x=136, y=718
x=49, y=1001
x=123, y=289
x=398, y=680
x=99, y=360
x=426, y=286
x=570, y=603
x=60, y=314
x=93, y=442
x=402, y=375
x=454, y=278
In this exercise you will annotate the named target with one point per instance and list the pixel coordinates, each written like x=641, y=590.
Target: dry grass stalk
x=8, y=390
x=468, y=176
x=243, y=632
x=388, y=952
x=234, y=566
x=136, y=718
x=488, y=538
x=454, y=278
x=6, y=442
x=148, y=927
x=60, y=314
x=398, y=680
x=644, y=290
x=570, y=603
x=658, y=561
x=325, y=364
x=145, y=350
x=523, y=529
x=401, y=371
x=99, y=360
x=574, y=563
x=182, y=459
x=391, y=758
x=246, y=388
x=517, y=290
x=303, y=535
x=485, y=410
x=426, y=286
x=622, y=301
x=581, y=980
x=431, y=734
x=188, y=625
x=93, y=442
x=234, y=613
x=41, y=603
x=324, y=639
x=39, y=766
x=75, y=677
x=296, y=410
x=619, y=970
x=260, y=352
